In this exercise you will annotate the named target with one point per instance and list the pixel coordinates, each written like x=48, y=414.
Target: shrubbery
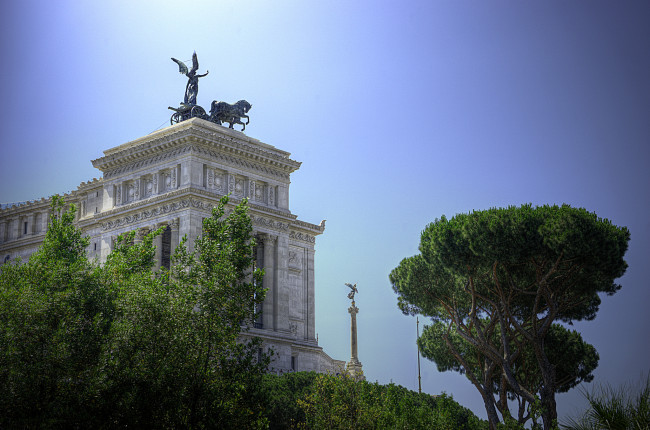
x=315, y=401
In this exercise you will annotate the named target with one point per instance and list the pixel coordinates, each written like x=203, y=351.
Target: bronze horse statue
x=221, y=112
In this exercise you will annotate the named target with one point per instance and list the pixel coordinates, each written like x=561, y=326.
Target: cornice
x=217, y=140
x=90, y=185
x=23, y=242
x=36, y=205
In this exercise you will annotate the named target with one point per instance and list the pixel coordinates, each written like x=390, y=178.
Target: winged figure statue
x=192, y=88
x=353, y=289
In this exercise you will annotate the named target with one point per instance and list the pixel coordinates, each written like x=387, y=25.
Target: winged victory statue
x=353, y=289
x=192, y=88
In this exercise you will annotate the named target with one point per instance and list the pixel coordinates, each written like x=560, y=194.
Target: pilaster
x=3, y=231
x=269, y=306
x=310, y=317
x=282, y=282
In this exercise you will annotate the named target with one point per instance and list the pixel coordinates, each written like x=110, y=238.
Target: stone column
x=45, y=220
x=139, y=235
x=269, y=318
x=12, y=229
x=3, y=231
x=282, y=305
x=157, y=242
x=310, y=332
x=174, y=224
x=30, y=224
x=354, y=365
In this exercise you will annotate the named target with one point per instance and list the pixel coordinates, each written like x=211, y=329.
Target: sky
x=400, y=112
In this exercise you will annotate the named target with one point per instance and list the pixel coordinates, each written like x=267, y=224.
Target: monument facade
x=173, y=178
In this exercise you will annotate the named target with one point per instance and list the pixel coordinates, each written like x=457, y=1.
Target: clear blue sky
x=399, y=111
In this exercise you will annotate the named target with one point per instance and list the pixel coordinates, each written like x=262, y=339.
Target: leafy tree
x=512, y=273
x=55, y=312
x=335, y=402
x=281, y=394
x=174, y=357
x=86, y=346
x=574, y=361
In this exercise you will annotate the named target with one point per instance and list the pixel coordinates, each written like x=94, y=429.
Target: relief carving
x=303, y=237
x=239, y=186
x=148, y=188
x=168, y=180
x=167, y=208
x=218, y=181
x=136, y=189
x=231, y=183
x=259, y=192
x=210, y=178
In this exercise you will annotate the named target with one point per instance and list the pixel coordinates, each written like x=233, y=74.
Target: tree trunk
x=547, y=391
x=493, y=417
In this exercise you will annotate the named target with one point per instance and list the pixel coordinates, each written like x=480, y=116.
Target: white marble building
x=173, y=178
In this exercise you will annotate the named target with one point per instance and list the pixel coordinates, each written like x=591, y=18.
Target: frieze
x=184, y=204
x=296, y=235
x=157, y=211
x=266, y=222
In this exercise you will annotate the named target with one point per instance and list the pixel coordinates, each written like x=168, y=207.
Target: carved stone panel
x=258, y=194
x=118, y=194
x=174, y=179
x=148, y=186
x=239, y=186
x=130, y=192
x=251, y=189
x=216, y=180
x=295, y=258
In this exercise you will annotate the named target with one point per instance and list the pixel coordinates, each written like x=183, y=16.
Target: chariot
x=186, y=112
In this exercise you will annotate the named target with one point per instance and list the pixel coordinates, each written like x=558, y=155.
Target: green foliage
x=315, y=401
x=83, y=345
x=496, y=280
x=615, y=409
x=55, y=312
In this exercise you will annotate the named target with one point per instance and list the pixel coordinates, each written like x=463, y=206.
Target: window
x=25, y=227
x=7, y=258
x=95, y=246
x=293, y=362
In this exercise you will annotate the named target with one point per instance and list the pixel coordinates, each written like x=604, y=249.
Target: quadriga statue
x=221, y=112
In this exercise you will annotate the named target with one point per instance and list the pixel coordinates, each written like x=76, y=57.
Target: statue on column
x=353, y=367
x=354, y=290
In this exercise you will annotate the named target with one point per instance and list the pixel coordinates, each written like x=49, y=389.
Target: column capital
x=268, y=239
x=353, y=310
